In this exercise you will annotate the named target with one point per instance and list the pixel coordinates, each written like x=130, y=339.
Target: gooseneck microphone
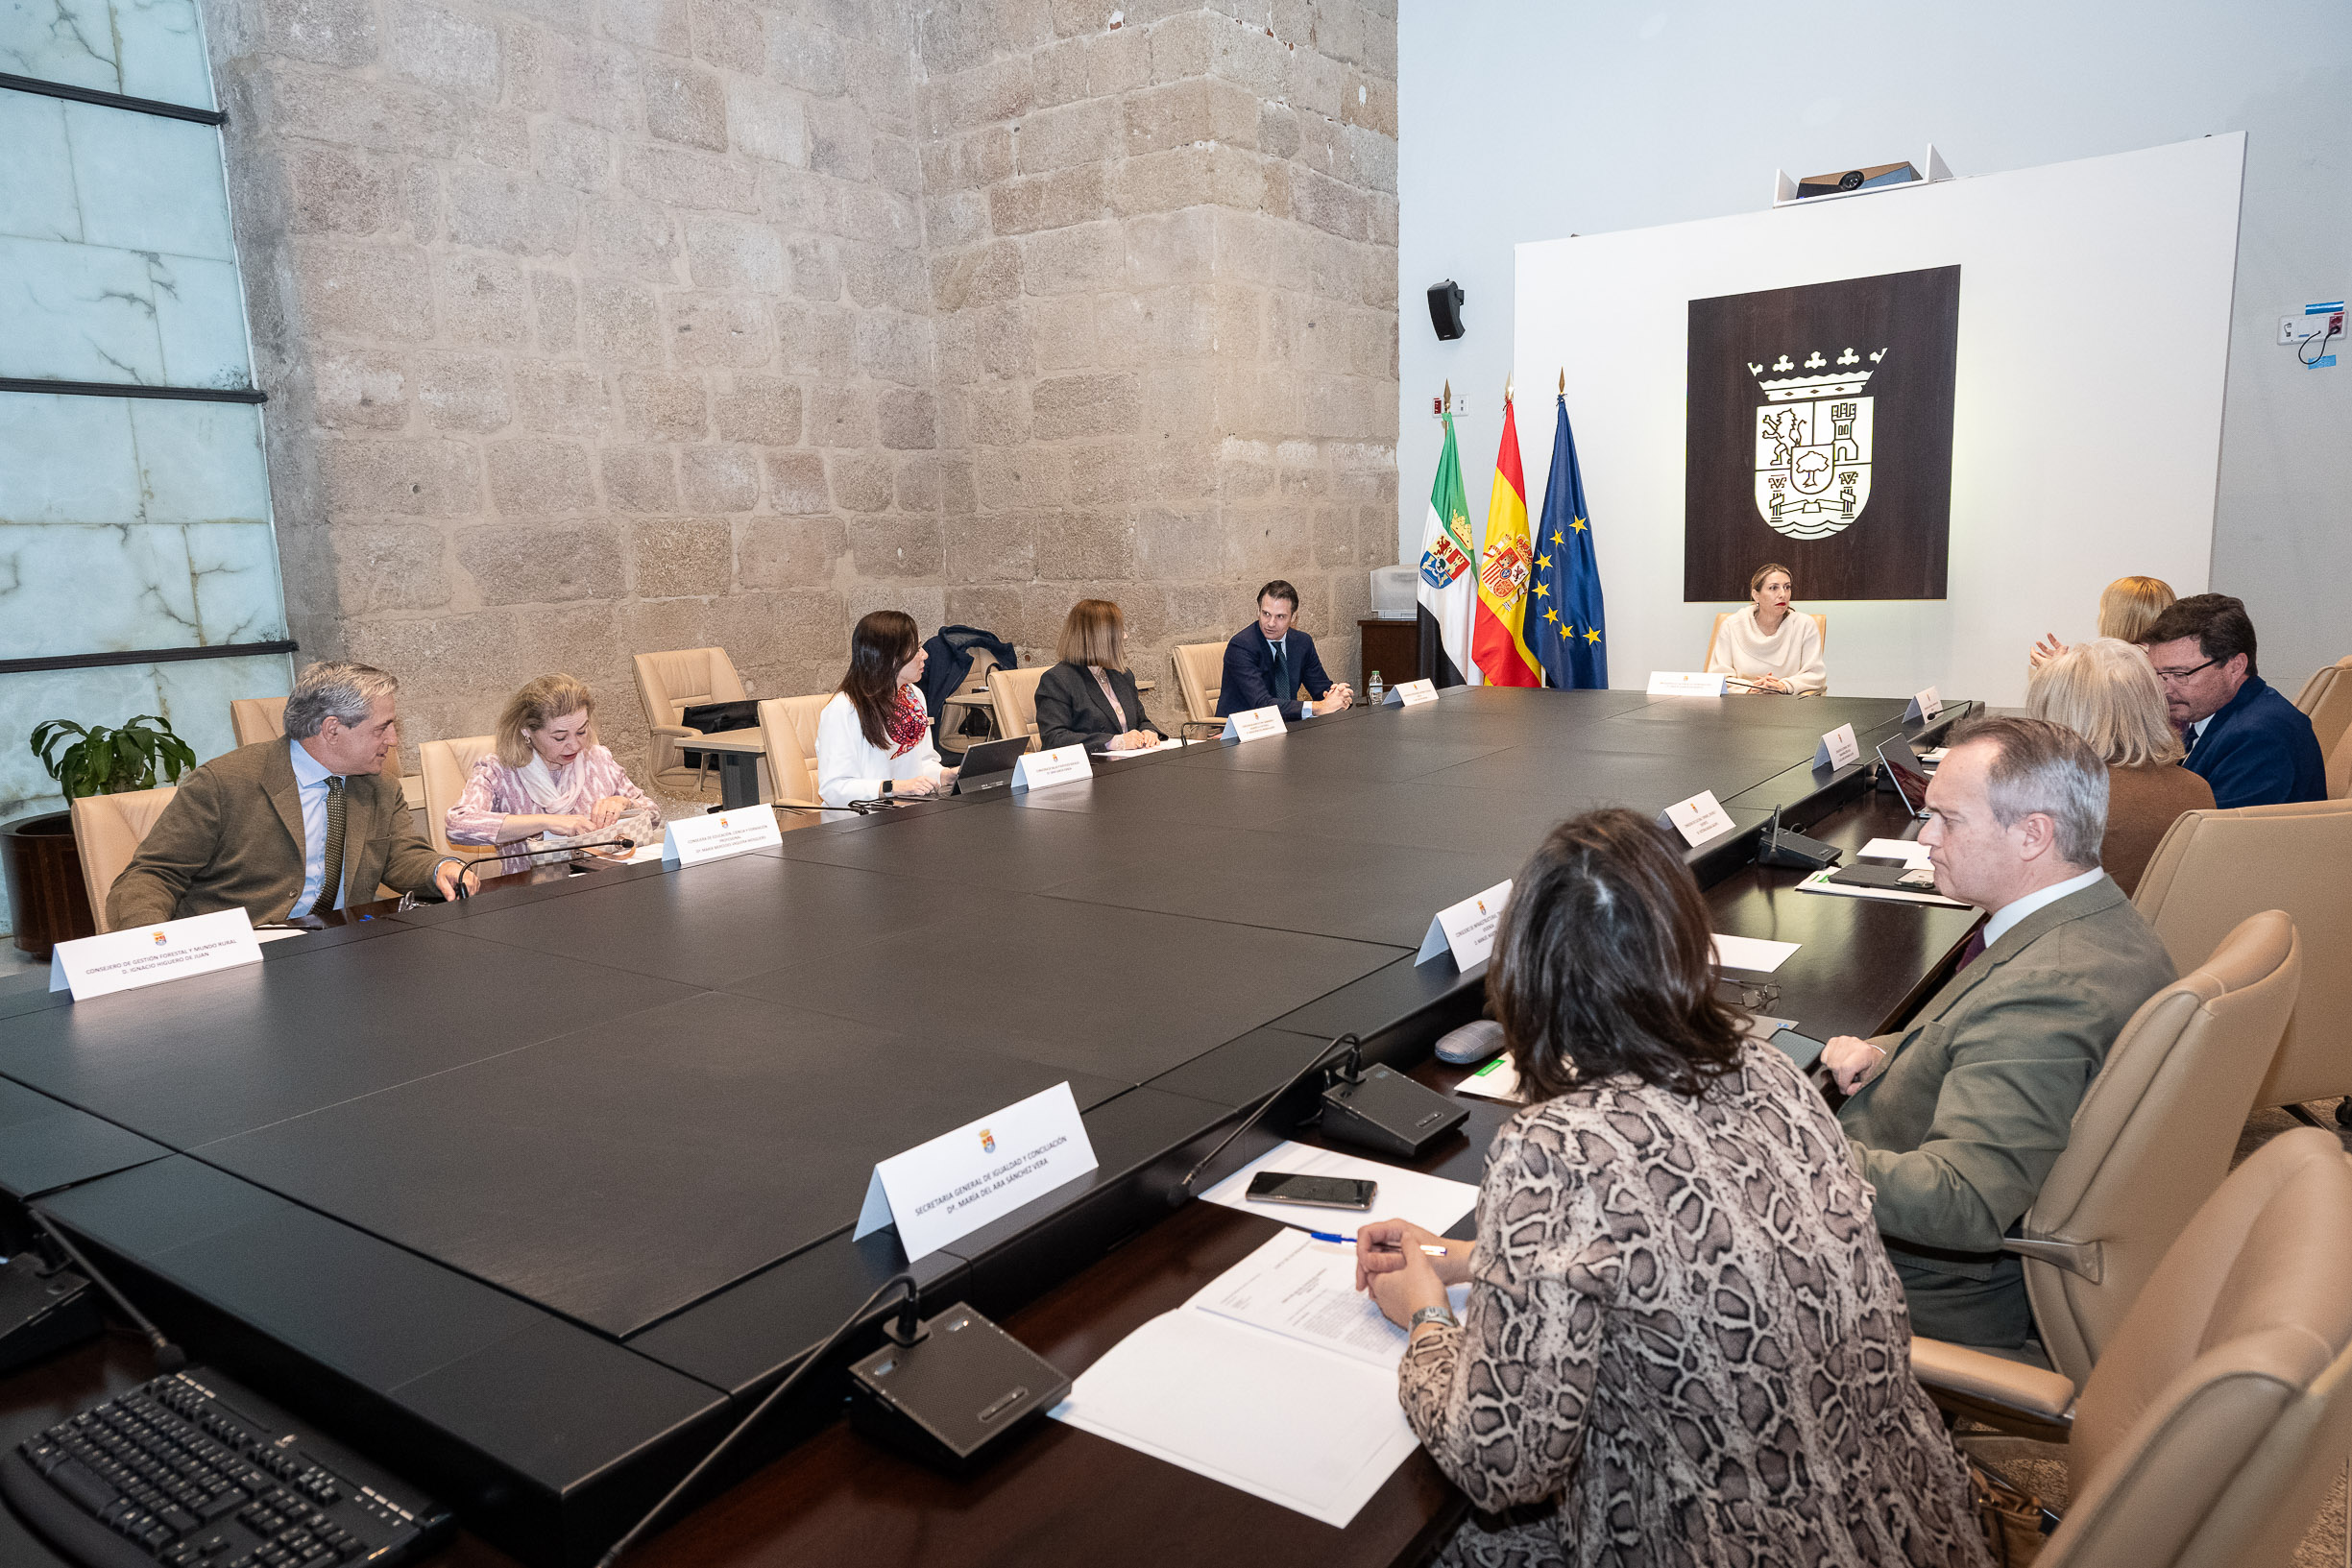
x=904, y=1329
x=169, y=1356
x=1183, y=1190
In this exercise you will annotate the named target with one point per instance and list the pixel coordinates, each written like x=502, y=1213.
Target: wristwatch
x=1432, y=1315
x=889, y=787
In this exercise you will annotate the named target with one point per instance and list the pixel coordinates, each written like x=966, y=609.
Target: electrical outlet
x=2322, y=320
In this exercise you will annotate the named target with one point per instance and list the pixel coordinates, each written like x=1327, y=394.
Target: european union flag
x=1573, y=643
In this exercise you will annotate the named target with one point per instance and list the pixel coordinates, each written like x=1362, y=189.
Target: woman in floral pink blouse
x=548, y=779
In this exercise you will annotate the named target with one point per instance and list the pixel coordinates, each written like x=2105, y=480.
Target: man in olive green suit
x=1957, y=1121
x=257, y=828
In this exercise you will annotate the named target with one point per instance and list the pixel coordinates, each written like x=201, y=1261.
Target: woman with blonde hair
x=548, y=779
x=2127, y=607
x=1768, y=646
x=1089, y=699
x=2106, y=691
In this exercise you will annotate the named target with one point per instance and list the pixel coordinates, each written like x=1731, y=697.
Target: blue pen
x=1349, y=1241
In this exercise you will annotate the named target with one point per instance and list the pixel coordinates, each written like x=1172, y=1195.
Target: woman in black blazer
x=1089, y=699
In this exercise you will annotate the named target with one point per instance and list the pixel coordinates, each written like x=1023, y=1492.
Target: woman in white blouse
x=1768, y=645
x=873, y=741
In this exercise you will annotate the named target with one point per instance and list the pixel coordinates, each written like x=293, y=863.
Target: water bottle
x=1375, y=689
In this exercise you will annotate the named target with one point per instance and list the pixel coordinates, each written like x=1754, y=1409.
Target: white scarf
x=539, y=784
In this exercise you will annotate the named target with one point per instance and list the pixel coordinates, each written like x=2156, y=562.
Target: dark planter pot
x=48, y=903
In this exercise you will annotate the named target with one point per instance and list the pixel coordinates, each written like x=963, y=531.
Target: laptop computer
x=989, y=765
x=1907, y=773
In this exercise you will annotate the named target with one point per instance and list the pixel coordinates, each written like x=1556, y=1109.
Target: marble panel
x=199, y=461
x=199, y=320
x=68, y=589
x=148, y=183
x=36, y=199
x=143, y=48
x=89, y=313
x=67, y=460
x=193, y=695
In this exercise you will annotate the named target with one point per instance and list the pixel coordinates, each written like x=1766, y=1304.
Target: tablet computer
x=989, y=765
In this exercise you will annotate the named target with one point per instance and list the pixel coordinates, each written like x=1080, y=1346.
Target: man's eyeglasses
x=2173, y=677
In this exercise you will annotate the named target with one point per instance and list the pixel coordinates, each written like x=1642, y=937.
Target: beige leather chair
x=2214, y=868
x=668, y=684
x=788, y=772
x=446, y=766
x=257, y=718
x=2212, y=1429
x=2339, y=767
x=1015, y=694
x=107, y=831
x=2326, y=700
x=2154, y=1137
x=1201, y=673
x=1721, y=616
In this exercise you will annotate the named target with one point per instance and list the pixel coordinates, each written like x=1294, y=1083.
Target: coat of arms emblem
x=1812, y=442
x=988, y=1141
x=1507, y=568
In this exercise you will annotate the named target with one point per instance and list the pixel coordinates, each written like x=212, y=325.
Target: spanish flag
x=1506, y=562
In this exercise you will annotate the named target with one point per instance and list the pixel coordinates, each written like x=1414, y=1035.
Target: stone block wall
x=596, y=326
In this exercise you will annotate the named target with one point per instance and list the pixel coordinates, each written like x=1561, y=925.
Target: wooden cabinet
x=1393, y=648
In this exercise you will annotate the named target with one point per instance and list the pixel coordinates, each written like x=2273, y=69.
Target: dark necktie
x=1974, y=949
x=1282, y=682
x=330, y=869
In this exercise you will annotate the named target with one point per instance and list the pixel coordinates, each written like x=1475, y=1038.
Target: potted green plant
x=48, y=902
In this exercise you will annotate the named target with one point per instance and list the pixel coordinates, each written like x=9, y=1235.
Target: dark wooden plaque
x=1820, y=435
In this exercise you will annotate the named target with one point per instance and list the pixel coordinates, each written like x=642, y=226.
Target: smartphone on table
x=1317, y=1191
x=1802, y=1049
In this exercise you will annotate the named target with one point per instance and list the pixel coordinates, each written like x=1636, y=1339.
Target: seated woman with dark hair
x=1683, y=1342
x=1089, y=699
x=873, y=741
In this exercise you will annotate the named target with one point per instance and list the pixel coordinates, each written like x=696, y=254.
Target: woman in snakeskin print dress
x=1683, y=1343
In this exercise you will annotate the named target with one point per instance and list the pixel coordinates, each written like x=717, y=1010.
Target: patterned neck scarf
x=905, y=723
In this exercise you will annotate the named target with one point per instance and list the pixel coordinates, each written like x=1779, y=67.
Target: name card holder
x=1041, y=769
x=941, y=1191
x=1838, y=748
x=144, y=955
x=1671, y=682
x=1410, y=694
x=1465, y=930
x=1255, y=725
x=715, y=835
x=1698, y=819
x=1924, y=705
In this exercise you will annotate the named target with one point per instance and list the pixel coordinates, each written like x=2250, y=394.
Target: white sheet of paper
x=1678, y=683
x=1909, y=851
x=1751, y=952
x=646, y=852
x=277, y=936
x=1303, y=1289
x=1431, y=1202
x=1169, y=743
x=1819, y=882
x=1498, y=1080
x=1699, y=818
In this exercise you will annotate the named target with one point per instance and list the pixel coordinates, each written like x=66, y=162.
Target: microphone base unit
x=952, y=1397
x=1386, y=1112
x=42, y=1314
x=1780, y=846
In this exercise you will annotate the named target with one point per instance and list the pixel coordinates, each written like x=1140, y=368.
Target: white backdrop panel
x=2095, y=304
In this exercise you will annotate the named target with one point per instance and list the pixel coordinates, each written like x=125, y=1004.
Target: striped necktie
x=330, y=869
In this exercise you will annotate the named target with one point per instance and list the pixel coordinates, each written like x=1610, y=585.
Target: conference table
x=312, y=1218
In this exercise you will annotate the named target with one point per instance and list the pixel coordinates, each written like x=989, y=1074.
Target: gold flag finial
x=1563, y=380
x=1507, y=385
x=1450, y=395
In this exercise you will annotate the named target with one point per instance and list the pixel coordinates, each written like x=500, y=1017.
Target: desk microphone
x=1182, y=1191
x=169, y=1356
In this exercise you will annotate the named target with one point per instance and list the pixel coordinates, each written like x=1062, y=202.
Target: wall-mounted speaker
x=1445, y=309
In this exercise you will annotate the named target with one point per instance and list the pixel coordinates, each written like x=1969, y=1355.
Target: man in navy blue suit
x=2251, y=744
x=1267, y=662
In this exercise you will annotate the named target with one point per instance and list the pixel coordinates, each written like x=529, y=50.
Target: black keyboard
x=193, y=1471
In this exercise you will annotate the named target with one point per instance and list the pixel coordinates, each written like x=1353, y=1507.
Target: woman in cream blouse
x=1768, y=645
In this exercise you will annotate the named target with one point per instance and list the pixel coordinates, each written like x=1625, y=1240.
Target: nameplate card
x=1697, y=819
x=1838, y=749
x=1925, y=705
x=948, y=1188
x=1410, y=694
x=1064, y=765
x=98, y=966
x=1671, y=682
x=1255, y=725
x=715, y=835
x=1465, y=930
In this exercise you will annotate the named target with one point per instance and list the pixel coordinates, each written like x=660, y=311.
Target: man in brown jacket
x=1956, y=1120
x=254, y=829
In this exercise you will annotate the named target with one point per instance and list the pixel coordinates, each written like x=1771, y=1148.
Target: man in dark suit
x=293, y=826
x=1267, y=662
x=2247, y=740
x=1956, y=1120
